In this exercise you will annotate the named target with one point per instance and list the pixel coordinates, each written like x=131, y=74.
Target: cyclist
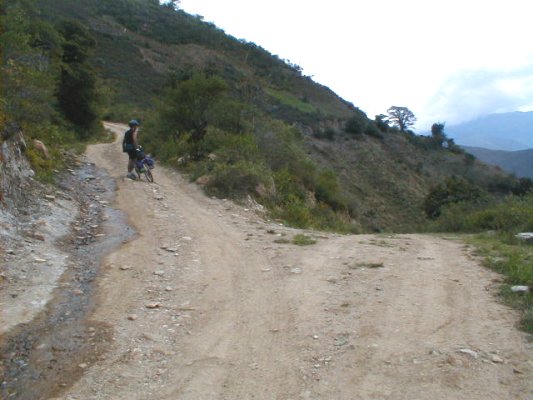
x=129, y=145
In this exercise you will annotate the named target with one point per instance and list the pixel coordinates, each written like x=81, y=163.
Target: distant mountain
x=507, y=131
x=518, y=162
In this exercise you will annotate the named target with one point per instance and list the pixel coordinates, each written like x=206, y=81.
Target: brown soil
x=206, y=303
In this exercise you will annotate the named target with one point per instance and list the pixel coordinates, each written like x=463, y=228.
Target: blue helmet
x=134, y=122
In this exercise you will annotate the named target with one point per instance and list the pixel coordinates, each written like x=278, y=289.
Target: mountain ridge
x=518, y=162
x=510, y=131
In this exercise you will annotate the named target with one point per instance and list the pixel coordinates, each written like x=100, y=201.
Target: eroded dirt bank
x=50, y=263
x=207, y=304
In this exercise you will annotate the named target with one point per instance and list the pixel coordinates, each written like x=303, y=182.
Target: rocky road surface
x=210, y=301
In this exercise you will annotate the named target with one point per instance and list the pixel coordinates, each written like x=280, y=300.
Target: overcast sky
x=447, y=61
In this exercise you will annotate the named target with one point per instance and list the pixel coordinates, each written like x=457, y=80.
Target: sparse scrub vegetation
x=303, y=240
x=513, y=259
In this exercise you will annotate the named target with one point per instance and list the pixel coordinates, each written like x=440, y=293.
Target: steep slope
x=390, y=177
x=519, y=163
x=142, y=46
x=143, y=49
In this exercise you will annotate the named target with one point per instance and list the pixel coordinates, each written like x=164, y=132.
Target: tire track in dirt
x=233, y=315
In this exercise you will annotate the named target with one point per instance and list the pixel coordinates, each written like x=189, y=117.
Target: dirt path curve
x=206, y=305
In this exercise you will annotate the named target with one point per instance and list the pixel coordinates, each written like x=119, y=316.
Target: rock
x=49, y=197
x=40, y=260
x=296, y=271
x=526, y=236
x=41, y=147
x=520, y=289
x=125, y=267
x=496, y=359
x=38, y=236
x=159, y=273
x=83, y=365
x=469, y=352
x=132, y=317
x=153, y=305
x=203, y=180
x=341, y=341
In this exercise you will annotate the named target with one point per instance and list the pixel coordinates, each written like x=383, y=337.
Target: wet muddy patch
x=47, y=355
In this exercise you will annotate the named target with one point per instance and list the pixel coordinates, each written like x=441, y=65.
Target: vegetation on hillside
x=227, y=111
x=48, y=90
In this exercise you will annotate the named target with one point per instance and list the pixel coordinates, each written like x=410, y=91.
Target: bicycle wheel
x=148, y=174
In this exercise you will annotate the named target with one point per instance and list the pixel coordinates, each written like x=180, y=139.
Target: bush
x=355, y=125
x=453, y=190
x=512, y=215
x=235, y=181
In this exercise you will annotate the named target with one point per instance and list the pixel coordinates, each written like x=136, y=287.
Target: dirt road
x=205, y=304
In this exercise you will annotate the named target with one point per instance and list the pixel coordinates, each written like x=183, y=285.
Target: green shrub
x=453, y=190
x=303, y=240
x=512, y=214
x=235, y=180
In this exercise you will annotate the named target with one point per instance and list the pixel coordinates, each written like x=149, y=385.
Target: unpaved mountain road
x=204, y=304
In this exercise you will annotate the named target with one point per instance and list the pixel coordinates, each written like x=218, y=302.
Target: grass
x=290, y=100
x=367, y=265
x=514, y=260
x=303, y=240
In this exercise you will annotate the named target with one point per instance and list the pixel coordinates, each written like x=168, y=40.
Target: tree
x=77, y=94
x=192, y=105
x=437, y=133
x=381, y=122
x=452, y=190
x=401, y=117
x=174, y=4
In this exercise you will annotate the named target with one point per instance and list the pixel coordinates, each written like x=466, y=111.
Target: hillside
x=505, y=131
x=235, y=118
x=519, y=162
x=143, y=46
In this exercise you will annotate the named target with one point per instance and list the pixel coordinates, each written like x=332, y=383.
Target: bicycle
x=144, y=165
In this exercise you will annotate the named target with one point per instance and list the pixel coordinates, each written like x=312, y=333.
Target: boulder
x=41, y=147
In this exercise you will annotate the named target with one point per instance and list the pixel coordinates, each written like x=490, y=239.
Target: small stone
x=159, y=273
x=77, y=292
x=469, y=352
x=49, y=197
x=496, y=359
x=39, y=260
x=125, y=267
x=38, y=236
x=517, y=371
x=296, y=271
x=520, y=289
x=168, y=289
x=83, y=365
x=153, y=305
x=132, y=317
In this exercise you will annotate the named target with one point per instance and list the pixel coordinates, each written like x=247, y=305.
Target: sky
x=447, y=60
